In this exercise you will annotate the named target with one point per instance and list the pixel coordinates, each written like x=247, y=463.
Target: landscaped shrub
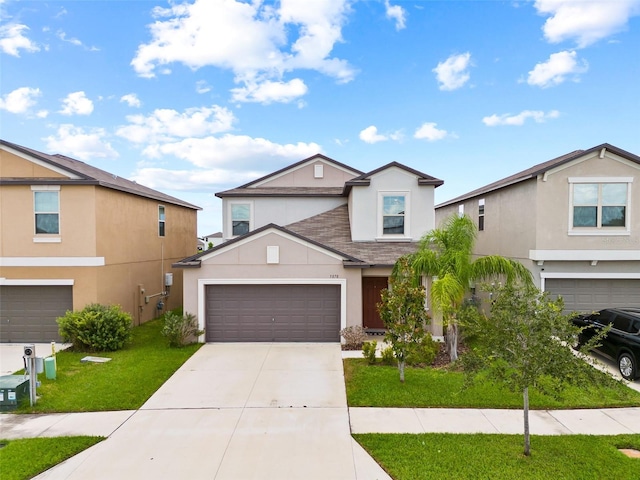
x=354, y=337
x=180, y=330
x=388, y=358
x=96, y=328
x=423, y=352
x=369, y=351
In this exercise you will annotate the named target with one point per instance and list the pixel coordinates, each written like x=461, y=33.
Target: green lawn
x=379, y=386
x=124, y=383
x=499, y=457
x=25, y=458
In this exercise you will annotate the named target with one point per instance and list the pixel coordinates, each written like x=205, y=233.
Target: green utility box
x=13, y=388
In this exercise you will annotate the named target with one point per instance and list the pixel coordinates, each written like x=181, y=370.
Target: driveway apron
x=234, y=411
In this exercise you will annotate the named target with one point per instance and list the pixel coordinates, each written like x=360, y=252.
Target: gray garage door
x=28, y=313
x=273, y=313
x=595, y=294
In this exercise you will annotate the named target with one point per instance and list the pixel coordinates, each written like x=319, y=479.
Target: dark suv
x=622, y=343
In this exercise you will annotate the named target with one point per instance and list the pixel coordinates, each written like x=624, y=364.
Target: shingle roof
x=538, y=169
x=365, y=178
x=89, y=175
x=332, y=229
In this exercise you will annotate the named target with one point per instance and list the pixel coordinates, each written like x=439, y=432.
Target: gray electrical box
x=13, y=388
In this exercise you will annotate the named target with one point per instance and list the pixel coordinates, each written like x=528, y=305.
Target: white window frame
x=162, y=221
x=46, y=237
x=461, y=210
x=230, y=213
x=598, y=229
x=481, y=211
x=407, y=216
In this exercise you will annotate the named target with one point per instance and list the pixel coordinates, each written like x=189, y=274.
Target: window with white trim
x=599, y=205
x=46, y=207
x=394, y=214
x=461, y=210
x=240, y=218
x=161, y=221
x=481, y=214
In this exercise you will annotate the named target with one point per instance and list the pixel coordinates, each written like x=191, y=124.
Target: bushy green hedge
x=179, y=329
x=99, y=328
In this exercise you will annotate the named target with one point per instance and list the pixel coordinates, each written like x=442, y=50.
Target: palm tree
x=446, y=254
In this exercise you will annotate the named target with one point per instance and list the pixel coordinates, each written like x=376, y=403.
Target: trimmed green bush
x=369, y=351
x=423, y=352
x=180, y=330
x=96, y=328
x=388, y=358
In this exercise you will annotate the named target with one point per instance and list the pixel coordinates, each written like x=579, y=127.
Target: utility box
x=13, y=388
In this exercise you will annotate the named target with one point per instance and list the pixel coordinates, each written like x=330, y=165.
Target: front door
x=371, y=288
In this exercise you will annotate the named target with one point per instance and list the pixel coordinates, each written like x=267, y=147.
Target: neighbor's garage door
x=28, y=313
x=273, y=313
x=594, y=294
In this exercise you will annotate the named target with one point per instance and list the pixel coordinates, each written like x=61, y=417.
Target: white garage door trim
x=203, y=282
x=24, y=282
x=601, y=276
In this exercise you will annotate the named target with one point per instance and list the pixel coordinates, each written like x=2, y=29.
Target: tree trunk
x=527, y=440
x=401, y=369
x=452, y=339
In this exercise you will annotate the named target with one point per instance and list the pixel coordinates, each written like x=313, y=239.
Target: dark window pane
x=240, y=227
x=393, y=225
x=161, y=229
x=622, y=323
x=481, y=223
x=585, y=216
x=47, y=223
x=613, y=216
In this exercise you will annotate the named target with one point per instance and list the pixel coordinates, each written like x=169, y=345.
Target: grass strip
x=500, y=457
x=124, y=383
x=25, y=458
x=379, y=386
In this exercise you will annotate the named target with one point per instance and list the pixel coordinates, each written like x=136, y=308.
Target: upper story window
x=393, y=214
x=46, y=205
x=240, y=218
x=161, y=221
x=481, y=214
x=599, y=205
x=461, y=210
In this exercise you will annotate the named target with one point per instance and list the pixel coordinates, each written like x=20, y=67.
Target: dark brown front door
x=371, y=288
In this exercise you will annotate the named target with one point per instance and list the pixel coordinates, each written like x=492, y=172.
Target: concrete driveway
x=237, y=411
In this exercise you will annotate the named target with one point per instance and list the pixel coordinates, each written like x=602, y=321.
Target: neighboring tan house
x=574, y=221
x=72, y=234
x=307, y=250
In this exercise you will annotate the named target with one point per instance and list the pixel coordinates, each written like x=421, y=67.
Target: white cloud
x=76, y=103
x=268, y=91
x=166, y=125
x=257, y=41
x=20, y=100
x=429, y=131
x=452, y=73
x=240, y=151
x=202, y=86
x=555, y=70
x=517, y=120
x=192, y=180
x=131, y=99
x=397, y=13
x=586, y=22
x=371, y=135
x=12, y=40
x=79, y=143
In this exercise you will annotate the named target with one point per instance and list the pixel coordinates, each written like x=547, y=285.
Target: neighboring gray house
x=307, y=250
x=574, y=221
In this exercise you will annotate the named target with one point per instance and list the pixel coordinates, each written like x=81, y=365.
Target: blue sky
x=197, y=97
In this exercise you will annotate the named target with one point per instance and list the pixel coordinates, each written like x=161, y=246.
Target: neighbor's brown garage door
x=594, y=294
x=28, y=313
x=273, y=313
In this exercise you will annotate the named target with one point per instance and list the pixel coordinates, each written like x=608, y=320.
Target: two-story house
x=574, y=221
x=72, y=234
x=307, y=251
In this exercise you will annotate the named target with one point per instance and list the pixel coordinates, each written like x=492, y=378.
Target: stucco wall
x=303, y=176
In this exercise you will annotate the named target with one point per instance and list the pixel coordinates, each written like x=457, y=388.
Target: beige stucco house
x=574, y=221
x=72, y=234
x=307, y=250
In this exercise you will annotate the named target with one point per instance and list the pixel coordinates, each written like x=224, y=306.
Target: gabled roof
x=539, y=169
x=365, y=178
x=81, y=173
x=248, y=189
x=194, y=261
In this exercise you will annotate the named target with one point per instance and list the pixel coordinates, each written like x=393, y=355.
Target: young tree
x=402, y=311
x=527, y=342
x=446, y=253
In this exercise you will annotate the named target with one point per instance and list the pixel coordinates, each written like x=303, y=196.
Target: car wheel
x=627, y=366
